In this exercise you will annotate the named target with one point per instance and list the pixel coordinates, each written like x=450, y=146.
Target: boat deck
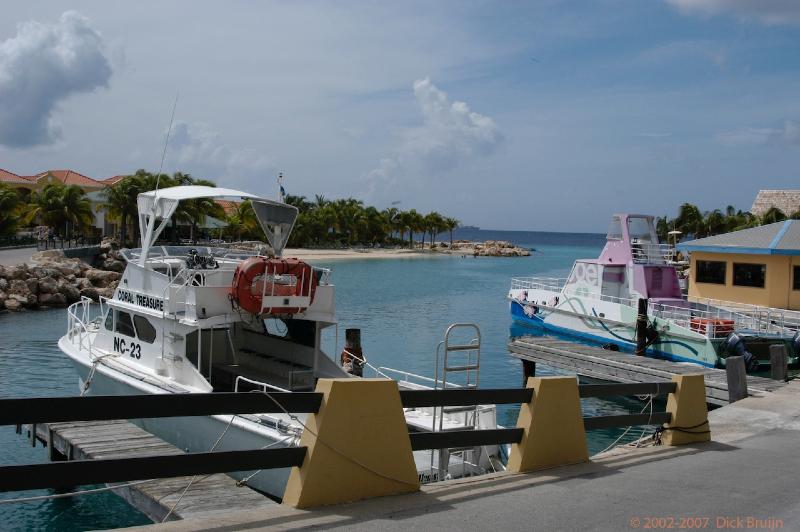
x=78, y=440
x=617, y=366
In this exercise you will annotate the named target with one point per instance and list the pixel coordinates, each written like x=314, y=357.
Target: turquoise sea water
x=403, y=307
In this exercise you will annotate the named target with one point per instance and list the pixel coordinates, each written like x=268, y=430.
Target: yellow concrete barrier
x=358, y=446
x=553, y=424
x=687, y=405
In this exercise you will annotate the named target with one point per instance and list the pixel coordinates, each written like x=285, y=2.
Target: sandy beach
x=344, y=254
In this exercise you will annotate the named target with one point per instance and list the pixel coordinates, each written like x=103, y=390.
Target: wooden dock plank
x=120, y=439
x=598, y=363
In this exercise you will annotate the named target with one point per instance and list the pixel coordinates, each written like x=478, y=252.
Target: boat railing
x=718, y=322
x=643, y=253
x=552, y=284
x=406, y=377
x=557, y=286
x=769, y=319
x=264, y=385
x=78, y=315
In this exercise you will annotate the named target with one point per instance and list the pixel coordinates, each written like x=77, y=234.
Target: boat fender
x=610, y=347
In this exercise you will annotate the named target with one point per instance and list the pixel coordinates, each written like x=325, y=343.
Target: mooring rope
x=334, y=448
x=650, y=404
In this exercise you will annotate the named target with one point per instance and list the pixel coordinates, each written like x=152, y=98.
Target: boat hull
x=194, y=433
x=592, y=327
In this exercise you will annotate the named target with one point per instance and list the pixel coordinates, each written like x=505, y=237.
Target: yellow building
x=759, y=266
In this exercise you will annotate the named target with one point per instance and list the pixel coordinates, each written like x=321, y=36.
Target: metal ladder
x=468, y=364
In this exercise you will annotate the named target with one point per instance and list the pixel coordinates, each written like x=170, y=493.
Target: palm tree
x=76, y=209
x=772, y=215
x=242, y=220
x=450, y=225
x=9, y=202
x=714, y=222
x=58, y=206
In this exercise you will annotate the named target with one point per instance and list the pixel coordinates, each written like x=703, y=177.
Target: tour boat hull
x=194, y=433
x=566, y=319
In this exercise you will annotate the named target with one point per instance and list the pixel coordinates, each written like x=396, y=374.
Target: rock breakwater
x=53, y=280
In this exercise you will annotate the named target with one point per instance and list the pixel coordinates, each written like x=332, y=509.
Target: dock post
x=687, y=404
x=778, y=359
x=528, y=370
x=641, y=327
x=33, y=434
x=736, y=373
x=357, y=446
x=554, y=434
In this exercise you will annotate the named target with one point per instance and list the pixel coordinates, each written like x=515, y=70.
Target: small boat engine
x=734, y=345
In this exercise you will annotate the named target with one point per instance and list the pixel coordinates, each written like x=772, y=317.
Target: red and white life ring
x=258, y=278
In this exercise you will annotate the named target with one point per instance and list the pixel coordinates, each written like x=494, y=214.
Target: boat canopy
x=275, y=218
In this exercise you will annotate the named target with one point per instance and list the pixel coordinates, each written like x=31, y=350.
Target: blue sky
x=542, y=115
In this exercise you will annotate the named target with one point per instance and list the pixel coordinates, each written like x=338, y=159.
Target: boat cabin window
x=110, y=320
x=144, y=330
x=615, y=230
x=125, y=325
x=275, y=327
x=640, y=230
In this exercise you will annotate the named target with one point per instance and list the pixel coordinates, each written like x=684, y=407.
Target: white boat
x=200, y=320
x=599, y=302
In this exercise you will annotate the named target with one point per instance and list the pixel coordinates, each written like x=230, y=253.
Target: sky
x=539, y=115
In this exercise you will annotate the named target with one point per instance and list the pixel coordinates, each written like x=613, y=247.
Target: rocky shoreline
x=57, y=281
x=490, y=248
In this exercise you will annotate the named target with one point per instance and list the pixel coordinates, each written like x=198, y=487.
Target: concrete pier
x=742, y=479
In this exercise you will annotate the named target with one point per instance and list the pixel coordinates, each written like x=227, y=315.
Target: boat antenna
x=166, y=140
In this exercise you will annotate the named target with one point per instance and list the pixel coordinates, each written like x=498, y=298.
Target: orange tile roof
x=70, y=177
x=113, y=180
x=228, y=206
x=10, y=177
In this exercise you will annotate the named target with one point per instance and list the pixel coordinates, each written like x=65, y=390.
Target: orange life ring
x=259, y=276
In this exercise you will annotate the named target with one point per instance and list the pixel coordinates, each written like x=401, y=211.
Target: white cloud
x=788, y=135
x=199, y=150
x=40, y=67
x=450, y=133
x=767, y=11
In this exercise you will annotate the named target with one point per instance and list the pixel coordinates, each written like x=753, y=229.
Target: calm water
x=403, y=307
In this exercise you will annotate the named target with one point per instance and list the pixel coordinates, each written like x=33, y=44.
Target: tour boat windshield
x=640, y=228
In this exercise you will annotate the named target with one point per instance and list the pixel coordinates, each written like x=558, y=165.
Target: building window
x=796, y=282
x=750, y=275
x=710, y=271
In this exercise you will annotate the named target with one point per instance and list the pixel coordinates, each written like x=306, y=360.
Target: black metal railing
x=100, y=408
x=14, y=241
x=67, y=243
x=623, y=389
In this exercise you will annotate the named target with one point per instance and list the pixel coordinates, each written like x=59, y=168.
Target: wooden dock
x=617, y=366
x=99, y=440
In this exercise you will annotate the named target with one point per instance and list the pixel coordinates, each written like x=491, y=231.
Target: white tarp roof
x=274, y=217
x=181, y=193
